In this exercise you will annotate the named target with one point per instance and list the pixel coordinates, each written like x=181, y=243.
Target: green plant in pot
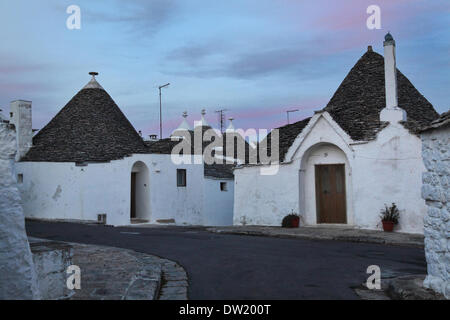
x=389, y=217
x=292, y=220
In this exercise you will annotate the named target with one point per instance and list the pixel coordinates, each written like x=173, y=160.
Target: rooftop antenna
x=221, y=113
x=289, y=111
x=160, y=109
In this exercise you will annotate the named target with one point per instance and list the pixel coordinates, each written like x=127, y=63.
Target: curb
x=368, y=239
x=174, y=281
x=146, y=283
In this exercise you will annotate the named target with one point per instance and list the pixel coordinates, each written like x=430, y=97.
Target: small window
x=181, y=177
x=20, y=178
x=223, y=186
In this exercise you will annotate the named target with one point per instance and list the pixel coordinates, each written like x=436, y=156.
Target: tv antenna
x=221, y=114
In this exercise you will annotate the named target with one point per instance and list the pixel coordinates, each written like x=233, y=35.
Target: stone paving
x=411, y=288
x=342, y=233
x=109, y=273
x=115, y=274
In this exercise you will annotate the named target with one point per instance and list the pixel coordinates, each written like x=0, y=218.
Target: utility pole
x=160, y=109
x=289, y=111
x=221, y=113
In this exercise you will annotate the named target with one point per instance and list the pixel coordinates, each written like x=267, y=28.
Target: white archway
x=322, y=154
x=140, y=192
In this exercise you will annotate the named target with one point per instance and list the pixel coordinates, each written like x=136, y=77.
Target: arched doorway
x=324, y=185
x=139, y=193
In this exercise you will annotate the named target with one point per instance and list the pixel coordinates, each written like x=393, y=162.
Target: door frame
x=317, y=193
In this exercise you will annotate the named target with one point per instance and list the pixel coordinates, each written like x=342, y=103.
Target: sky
x=255, y=58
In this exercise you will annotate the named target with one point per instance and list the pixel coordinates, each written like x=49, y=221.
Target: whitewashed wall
x=382, y=171
x=184, y=204
x=66, y=191
x=18, y=278
x=388, y=170
x=436, y=192
x=218, y=205
x=264, y=199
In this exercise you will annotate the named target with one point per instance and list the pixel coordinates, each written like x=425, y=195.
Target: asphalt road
x=223, y=266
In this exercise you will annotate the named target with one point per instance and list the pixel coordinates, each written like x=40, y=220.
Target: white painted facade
x=436, y=192
x=66, y=191
x=218, y=204
x=378, y=172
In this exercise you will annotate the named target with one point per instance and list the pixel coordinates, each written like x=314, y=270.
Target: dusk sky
x=256, y=58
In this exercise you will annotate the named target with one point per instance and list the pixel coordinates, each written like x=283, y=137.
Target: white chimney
x=21, y=119
x=391, y=113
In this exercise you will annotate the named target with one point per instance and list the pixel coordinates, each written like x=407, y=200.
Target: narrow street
x=223, y=266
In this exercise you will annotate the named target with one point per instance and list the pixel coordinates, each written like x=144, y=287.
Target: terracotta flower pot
x=388, y=226
x=295, y=222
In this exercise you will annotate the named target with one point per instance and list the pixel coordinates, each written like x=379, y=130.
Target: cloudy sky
x=256, y=58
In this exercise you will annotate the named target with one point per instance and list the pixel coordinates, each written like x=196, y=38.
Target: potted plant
x=389, y=217
x=292, y=220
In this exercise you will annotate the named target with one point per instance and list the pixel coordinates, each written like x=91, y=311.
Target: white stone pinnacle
x=93, y=84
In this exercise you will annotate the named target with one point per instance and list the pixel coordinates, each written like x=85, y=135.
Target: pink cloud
x=14, y=88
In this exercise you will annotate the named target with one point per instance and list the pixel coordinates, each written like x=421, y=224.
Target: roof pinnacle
x=93, y=84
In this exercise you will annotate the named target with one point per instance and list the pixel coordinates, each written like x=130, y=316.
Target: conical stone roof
x=357, y=103
x=90, y=128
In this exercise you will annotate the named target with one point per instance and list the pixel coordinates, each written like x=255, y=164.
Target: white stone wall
x=388, y=170
x=51, y=260
x=378, y=172
x=218, y=205
x=436, y=192
x=264, y=199
x=66, y=191
x=17, y=274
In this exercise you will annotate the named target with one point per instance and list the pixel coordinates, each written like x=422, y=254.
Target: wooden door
x=133, y=196
x=330, y=193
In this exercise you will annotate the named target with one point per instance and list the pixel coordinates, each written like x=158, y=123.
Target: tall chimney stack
x=21, y=119
x=391, y=112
